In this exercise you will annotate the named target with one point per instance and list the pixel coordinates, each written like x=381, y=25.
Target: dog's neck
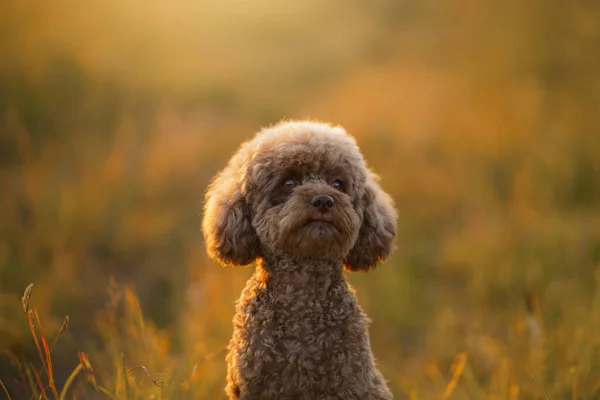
x=295, y=273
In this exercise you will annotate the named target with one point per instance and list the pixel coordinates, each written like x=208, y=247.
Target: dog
x=299, y=201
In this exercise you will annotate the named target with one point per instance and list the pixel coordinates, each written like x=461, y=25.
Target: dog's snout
x=322, y=202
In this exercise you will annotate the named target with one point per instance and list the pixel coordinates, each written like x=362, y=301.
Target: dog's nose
x=322, y=202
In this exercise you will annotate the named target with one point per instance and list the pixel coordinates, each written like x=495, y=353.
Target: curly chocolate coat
x=299, y=200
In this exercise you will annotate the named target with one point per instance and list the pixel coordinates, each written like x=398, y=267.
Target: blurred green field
x=483, y=119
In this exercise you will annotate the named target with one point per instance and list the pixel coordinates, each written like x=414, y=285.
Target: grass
x=39, y=383
x=117, y=380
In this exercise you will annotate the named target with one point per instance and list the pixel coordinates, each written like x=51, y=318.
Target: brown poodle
x=300, y=201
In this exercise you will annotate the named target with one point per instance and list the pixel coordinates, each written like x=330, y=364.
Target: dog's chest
x=310, y=319
x=307, y=333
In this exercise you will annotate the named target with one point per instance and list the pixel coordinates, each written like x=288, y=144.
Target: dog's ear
x=227, y=222
x=375, y=239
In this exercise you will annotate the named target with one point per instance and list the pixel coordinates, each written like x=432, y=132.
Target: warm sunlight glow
x=481, y=118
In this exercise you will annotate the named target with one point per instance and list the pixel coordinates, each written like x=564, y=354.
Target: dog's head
x=300, y=189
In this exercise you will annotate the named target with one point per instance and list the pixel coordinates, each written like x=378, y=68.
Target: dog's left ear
x=227, y=223
x=375, y=239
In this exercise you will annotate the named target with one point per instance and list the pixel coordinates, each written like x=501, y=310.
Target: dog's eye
x=289, y=183
x=337, y=184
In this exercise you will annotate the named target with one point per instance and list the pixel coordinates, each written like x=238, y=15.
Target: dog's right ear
x=375, y=239
x=227, y=222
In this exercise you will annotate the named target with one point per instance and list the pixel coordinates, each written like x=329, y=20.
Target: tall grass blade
x=125, y=377
x=5, y=390
x=156, y=383
x=456, y=369
x=538, y=383
x=70, y=381
x=47, y=355
x=26, y=298
x=106, y=392
x=88, y=368
x=31, y=382
x=26, y=301
x=63, y=328
x=40, y=383
x=35, y=338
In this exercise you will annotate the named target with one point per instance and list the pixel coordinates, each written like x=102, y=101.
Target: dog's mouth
x=318, y=221
x=321, y=221
x=325, y=219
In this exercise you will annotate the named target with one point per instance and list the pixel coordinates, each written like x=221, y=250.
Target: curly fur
x=299, y=332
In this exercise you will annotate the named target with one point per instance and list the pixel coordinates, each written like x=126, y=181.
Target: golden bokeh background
x=483, y=119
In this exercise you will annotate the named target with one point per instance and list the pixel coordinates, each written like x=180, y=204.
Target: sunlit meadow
x=482, y=118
